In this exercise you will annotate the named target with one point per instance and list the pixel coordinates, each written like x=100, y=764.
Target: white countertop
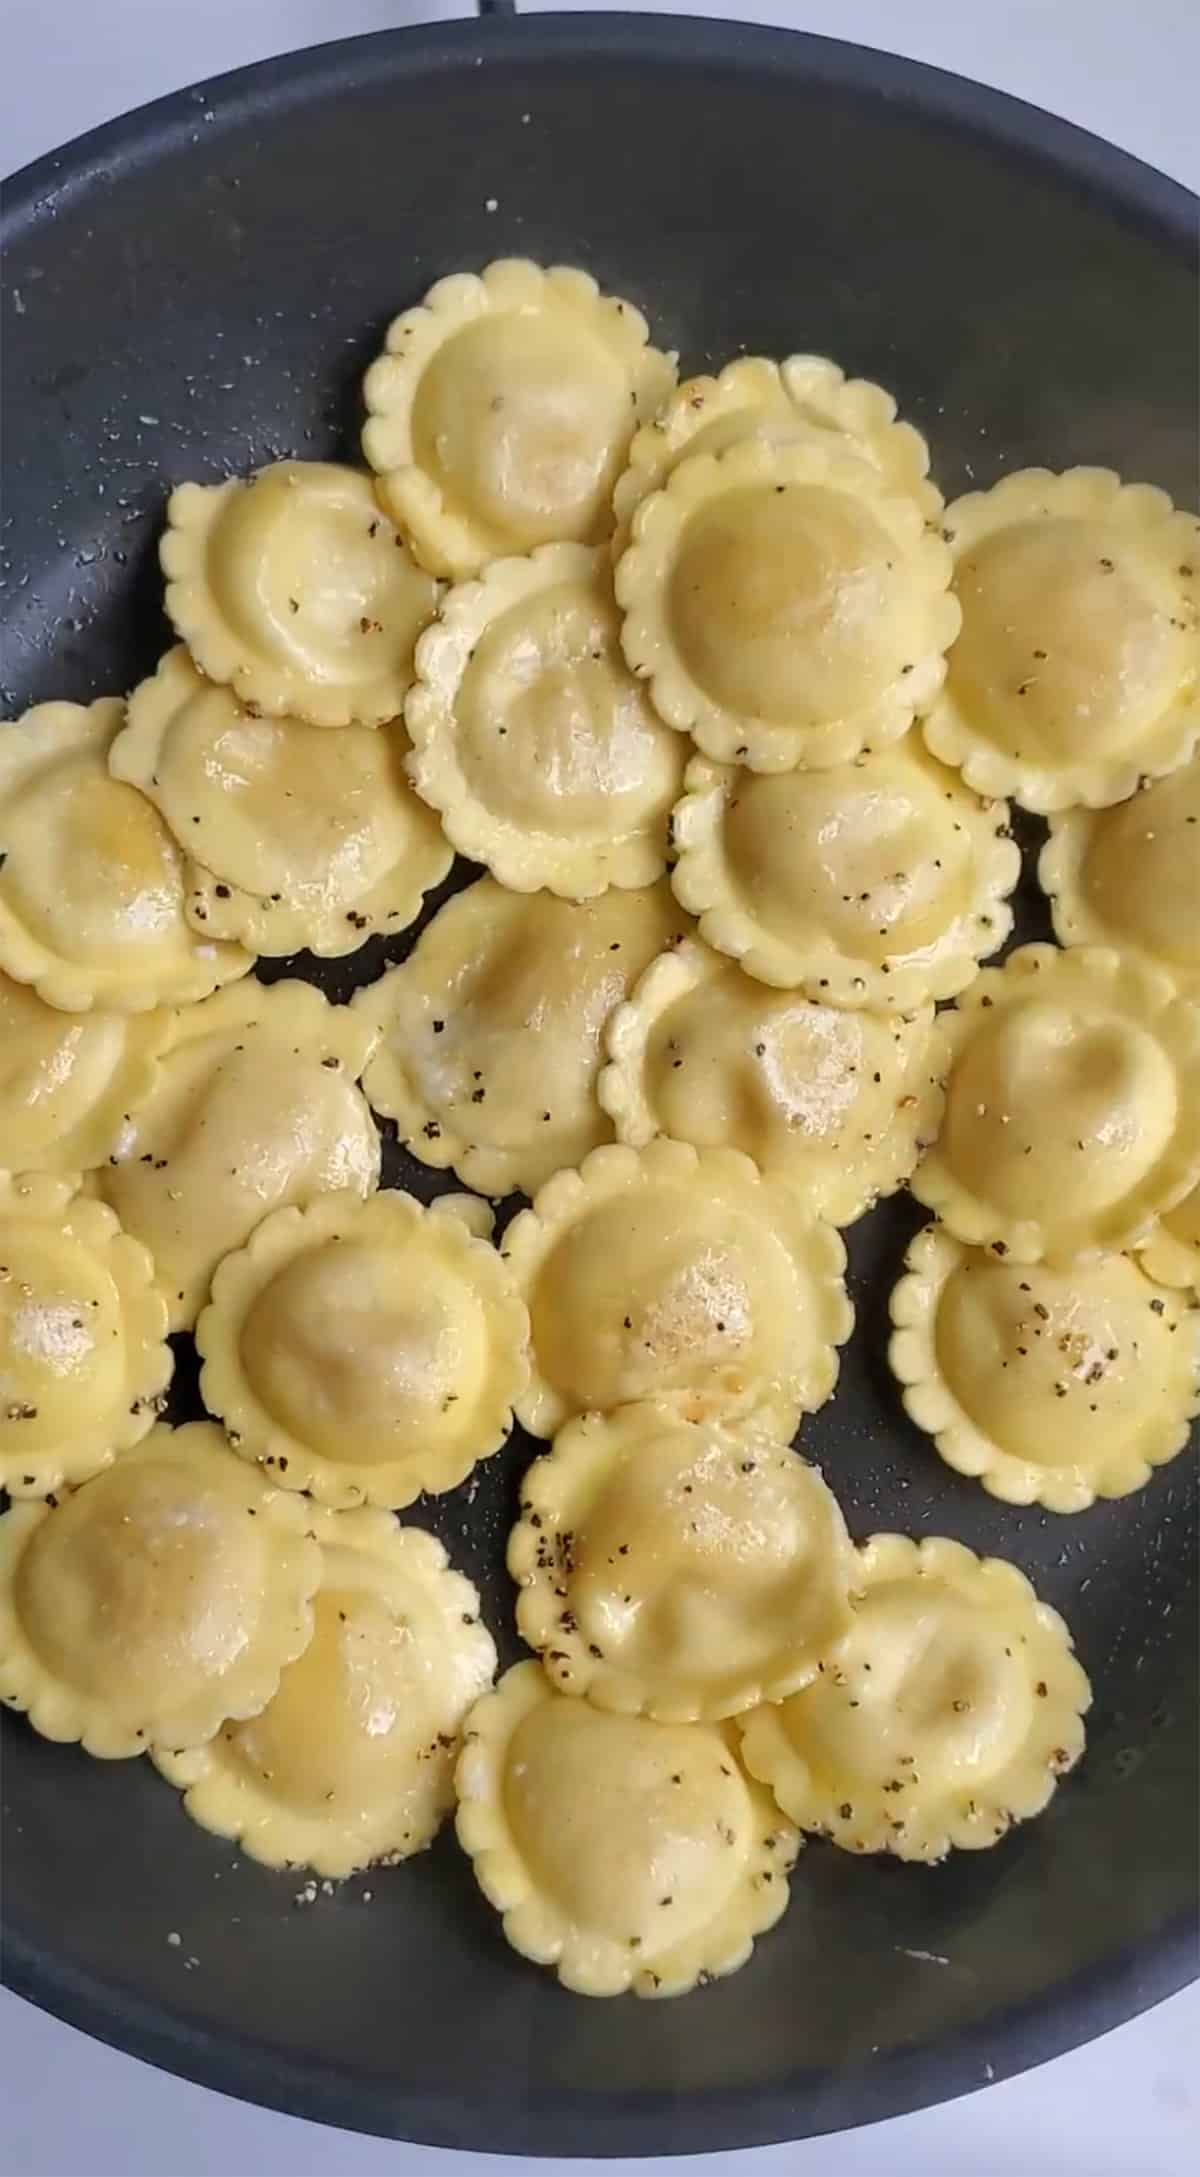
x=1127, y=2105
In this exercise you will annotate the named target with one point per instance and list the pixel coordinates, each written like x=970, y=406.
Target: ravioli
x=92, y=885
x=1077, y=672
x=255, y=1108
x=293, y=587
x=84, y=1358
x=678, y=1273
x=1054, y=1387
x=784, y=606
x=880, y=884
x=352, y=1759
x=1072, y=1115
x=502, y=409
x=159, y=1599
x=489, y=1033
x=1129, y=876
x=804, y=397
x=532, y=736
x=67, y=1080
x=298, y=837
x=628, y=1855
x=678, y=1569
x=1171, y=1251
x=835, y=1103
x=366, y=1350
x=949, y=1710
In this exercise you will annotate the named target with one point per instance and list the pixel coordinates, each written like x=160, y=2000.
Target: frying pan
x=198, y=288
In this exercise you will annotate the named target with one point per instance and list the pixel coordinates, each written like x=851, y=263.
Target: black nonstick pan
x=197, y=289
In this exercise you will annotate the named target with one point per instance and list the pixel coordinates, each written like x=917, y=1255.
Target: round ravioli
x=255, y=1108
x=881, y=883
x=293, y=588
x=785, y=607
x=92, y=885
x=1077, y=671
x=84, y=1358
x=679, y=1273
x=156, y=1601
x=69, y=1080
x=629, y=1855
x=532, y=736
x=1054, y=1387
x=1171, y=1253
x=837, y=1103
x=947, y=1712
x=489, y=1033
x=352, y=1759
x=678, y=1568
x=502, y=409
x=366, y=1350
x=298, y=836
x=1072, y=1113
x=805, y=397
x=1129, y=876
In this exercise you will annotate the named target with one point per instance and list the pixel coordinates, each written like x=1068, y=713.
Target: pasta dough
x=255, y=1108
x=1055, y=1387
x=92, y=886
x=1077, y=671
x=678, y=1273
x=159, y=1599
x=502, y=410
x=365, y=1350
x=84, y=1358
x=298, y=837
x=67, y=1080
x=626, y=1854
x=784, y=606
x=834, y=1102
x=352, y=1760
x=881, y=883
x=1129, y=876
x=532, y=736
x=489, y=1034
x=1171, y=1252
x=294, y=588
x=1072, y=1112
x=949, y=1710
x=677, y=1568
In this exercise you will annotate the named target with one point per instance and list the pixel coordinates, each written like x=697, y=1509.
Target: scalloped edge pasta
x=590, y=1964
x=957, y=1820
x=930, y=1401
x=948, y=730
x=87, y=1143
x=1171, y=1261
x=1061, y=867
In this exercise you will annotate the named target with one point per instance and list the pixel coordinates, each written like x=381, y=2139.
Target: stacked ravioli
x=729, y=712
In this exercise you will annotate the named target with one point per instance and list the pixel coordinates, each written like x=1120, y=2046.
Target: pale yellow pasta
x=1077, y=671
x=949, y=1710
x=365, y=1351
x=784, y=606
x=881, y=883
x=1171, y=1250
x=532, y=736
x=1129, y=875
x=84, y=1359
x=293, y=587
x=1054, y=1387
x=677, y=1569
x=628, y=1855
x=352, y=1759
x=1072, y=1114
x=837, y=1103
x=671, y=1272
x=297, y=836
x=489, y=1033
x=502, y=409
x=155, y=1601
x=92, y=885
x=67, y=1080
x=255, y=1108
